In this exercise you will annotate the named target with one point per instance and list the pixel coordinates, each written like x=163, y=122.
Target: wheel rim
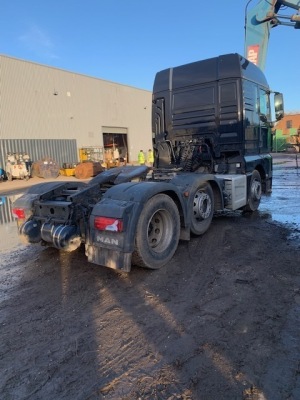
x=160, y=230
x=201, y=206
x=256, y=189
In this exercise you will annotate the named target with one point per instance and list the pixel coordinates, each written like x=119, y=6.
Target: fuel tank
x=64, y=237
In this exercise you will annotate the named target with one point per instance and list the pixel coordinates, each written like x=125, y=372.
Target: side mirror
x=279, y=109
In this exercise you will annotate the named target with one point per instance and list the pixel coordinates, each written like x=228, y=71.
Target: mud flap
x=108, y=258
x=268, y=186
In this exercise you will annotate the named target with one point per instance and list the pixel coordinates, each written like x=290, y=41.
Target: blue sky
x=128, y=41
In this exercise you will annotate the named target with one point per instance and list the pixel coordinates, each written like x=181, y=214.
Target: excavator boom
x=260, y=19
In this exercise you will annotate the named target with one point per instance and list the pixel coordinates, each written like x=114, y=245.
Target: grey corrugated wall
x=60, y=150
x=40, y=102
x=5, y=211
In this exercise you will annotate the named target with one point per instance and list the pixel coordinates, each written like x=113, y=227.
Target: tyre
x=255, y=191
x=157, y=233
x=202, y=209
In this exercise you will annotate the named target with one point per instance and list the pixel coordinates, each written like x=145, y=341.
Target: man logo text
x=107, y=240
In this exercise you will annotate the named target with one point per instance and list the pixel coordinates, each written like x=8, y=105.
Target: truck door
x=264, y=121
x=229, y=113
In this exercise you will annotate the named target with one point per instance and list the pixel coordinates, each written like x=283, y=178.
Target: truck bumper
x=108, y=258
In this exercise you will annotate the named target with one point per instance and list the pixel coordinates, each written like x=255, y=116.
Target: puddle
x=285, y=194
x=9, y=238
x=283, y=204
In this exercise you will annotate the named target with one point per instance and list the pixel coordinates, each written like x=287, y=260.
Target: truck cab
x=214, y=116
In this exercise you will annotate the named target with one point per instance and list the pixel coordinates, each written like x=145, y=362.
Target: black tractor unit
x=211, y=123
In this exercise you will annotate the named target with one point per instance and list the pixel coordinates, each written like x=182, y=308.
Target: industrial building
x=49, y=112
x=287, y=132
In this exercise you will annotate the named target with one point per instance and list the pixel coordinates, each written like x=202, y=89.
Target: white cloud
x=38, y=42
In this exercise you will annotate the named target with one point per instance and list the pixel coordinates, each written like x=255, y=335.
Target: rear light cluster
x=19, y=213
x=108, y=224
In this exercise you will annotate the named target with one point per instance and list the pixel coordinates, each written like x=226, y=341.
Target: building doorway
x=115, y=147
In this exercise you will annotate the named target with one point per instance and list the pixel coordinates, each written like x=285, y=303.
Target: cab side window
x=264, y=105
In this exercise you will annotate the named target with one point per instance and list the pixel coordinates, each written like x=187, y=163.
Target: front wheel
x=202, y=209
x=255, y=191
x=157, y=233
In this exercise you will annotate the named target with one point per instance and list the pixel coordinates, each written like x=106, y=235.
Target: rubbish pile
x=46, y=168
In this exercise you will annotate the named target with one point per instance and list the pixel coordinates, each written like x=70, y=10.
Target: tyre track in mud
x=208, y=325
x=217, y=309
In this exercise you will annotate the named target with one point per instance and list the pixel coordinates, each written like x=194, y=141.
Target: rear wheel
x=255, y=191
x=157, y=233
x=202, y=209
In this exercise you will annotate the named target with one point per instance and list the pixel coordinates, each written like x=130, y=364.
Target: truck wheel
x=255, y=191
x=157, y=233
x=203, y=209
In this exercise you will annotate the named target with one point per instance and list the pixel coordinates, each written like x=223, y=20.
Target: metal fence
x=60, y=150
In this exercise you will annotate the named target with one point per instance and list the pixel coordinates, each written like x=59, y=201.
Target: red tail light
x=19, y=213
x=108, y=224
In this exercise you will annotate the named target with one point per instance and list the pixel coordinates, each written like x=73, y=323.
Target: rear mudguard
x=120, y=174
x=126, y=201
x=190, y=182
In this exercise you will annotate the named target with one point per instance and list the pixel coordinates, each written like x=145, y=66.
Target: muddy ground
x=220, y=321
